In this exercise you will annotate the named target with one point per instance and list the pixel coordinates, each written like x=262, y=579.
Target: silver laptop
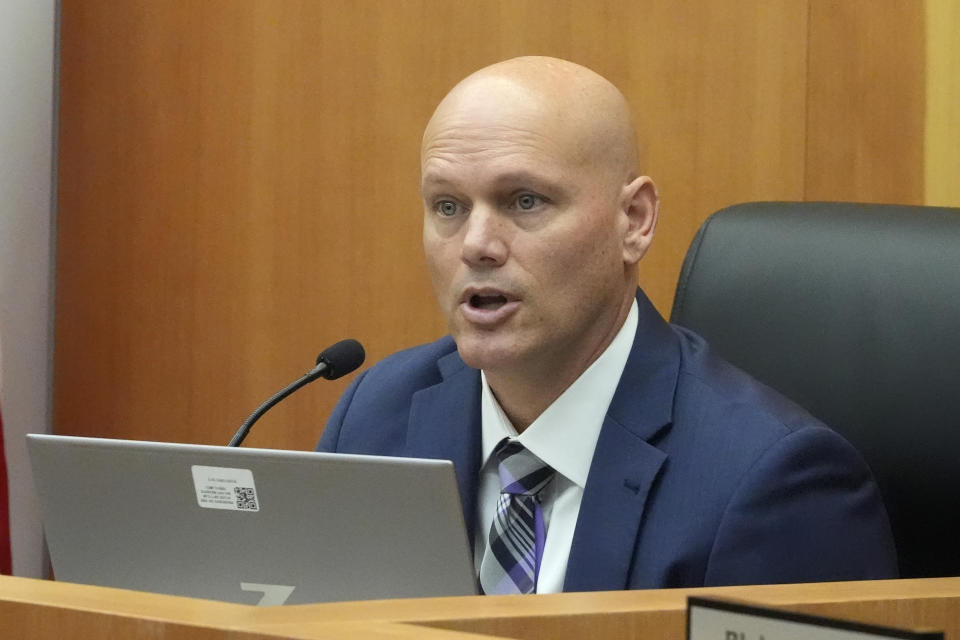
x=254, y=526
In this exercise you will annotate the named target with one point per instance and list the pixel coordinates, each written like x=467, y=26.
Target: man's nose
x=484, y=238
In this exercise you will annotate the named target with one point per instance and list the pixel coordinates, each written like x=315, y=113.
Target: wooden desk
x=43, y=609
x=933, y=603
x=47, y=610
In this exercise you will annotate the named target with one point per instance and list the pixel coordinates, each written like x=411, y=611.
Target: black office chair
x=852, y=311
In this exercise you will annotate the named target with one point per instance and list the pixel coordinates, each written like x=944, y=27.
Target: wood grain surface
x=654, y=614
x=866, y=104
x=47, y=610
x=238, y=180
x=44, y=609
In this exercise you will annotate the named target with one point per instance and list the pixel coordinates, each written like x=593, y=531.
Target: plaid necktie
x=515, y=545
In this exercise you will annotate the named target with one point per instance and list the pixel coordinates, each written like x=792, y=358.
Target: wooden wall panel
x=942, y=114
x=238, y=179
x=719, y=92
x=866, y=88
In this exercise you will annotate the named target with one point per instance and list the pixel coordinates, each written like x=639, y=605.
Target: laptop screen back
x=250, y=525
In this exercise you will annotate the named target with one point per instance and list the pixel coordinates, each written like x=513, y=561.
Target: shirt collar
x=565, y=435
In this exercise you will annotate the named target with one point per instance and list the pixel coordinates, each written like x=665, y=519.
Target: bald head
x=581, y=113
x=535, y=217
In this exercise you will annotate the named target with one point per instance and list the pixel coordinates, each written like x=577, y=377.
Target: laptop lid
x=254, y=526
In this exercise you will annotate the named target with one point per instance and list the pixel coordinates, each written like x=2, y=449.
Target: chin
x=485, y=352
x=478, y=358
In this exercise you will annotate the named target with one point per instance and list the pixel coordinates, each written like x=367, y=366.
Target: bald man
x=596, y=447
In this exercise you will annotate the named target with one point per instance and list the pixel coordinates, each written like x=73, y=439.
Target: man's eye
x=446, y=208
x=528, y=201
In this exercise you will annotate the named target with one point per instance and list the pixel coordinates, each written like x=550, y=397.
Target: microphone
x=333, y=362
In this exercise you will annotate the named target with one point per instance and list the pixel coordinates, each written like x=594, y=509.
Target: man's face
x=523, y=238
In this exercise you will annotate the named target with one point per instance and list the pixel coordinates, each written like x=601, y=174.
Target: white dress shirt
x=564, y=436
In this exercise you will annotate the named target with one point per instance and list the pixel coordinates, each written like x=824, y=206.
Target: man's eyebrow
x=524, y=177
x=433, y=178
x=511, y=177
x=433, y=181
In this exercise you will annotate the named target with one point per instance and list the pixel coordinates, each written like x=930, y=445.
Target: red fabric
x=6, y=565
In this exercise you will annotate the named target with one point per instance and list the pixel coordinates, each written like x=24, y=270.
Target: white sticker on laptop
x=225, y=488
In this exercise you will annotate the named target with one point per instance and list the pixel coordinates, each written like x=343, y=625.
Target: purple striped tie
x=515, y=545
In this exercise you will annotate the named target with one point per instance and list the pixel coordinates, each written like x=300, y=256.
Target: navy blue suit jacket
x=701, y=475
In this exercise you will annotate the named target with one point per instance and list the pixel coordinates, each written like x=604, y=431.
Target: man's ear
x=641, y=205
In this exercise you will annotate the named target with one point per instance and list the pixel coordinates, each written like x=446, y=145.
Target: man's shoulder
x=777, y=495
x=710, y=385
x=372, y=414
x=417, y=366
x=724, y=417
x=673, y=373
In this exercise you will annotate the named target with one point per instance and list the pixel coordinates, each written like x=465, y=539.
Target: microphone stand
x=244, y=429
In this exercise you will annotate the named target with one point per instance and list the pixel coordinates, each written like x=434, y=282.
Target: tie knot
x=521, y=472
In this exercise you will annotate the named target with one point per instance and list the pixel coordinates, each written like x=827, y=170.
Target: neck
x=522, y=400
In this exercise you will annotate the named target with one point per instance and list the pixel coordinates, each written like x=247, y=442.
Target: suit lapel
x=445, y=424
x=611, y=511
x=625, y=464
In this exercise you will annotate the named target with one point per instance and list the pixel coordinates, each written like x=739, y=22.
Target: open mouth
x=487, y=302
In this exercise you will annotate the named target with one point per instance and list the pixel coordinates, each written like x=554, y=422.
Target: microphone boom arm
x=335, y=361
x=244, y=429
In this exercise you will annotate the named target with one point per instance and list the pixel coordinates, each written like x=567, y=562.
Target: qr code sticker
x=246, y=498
